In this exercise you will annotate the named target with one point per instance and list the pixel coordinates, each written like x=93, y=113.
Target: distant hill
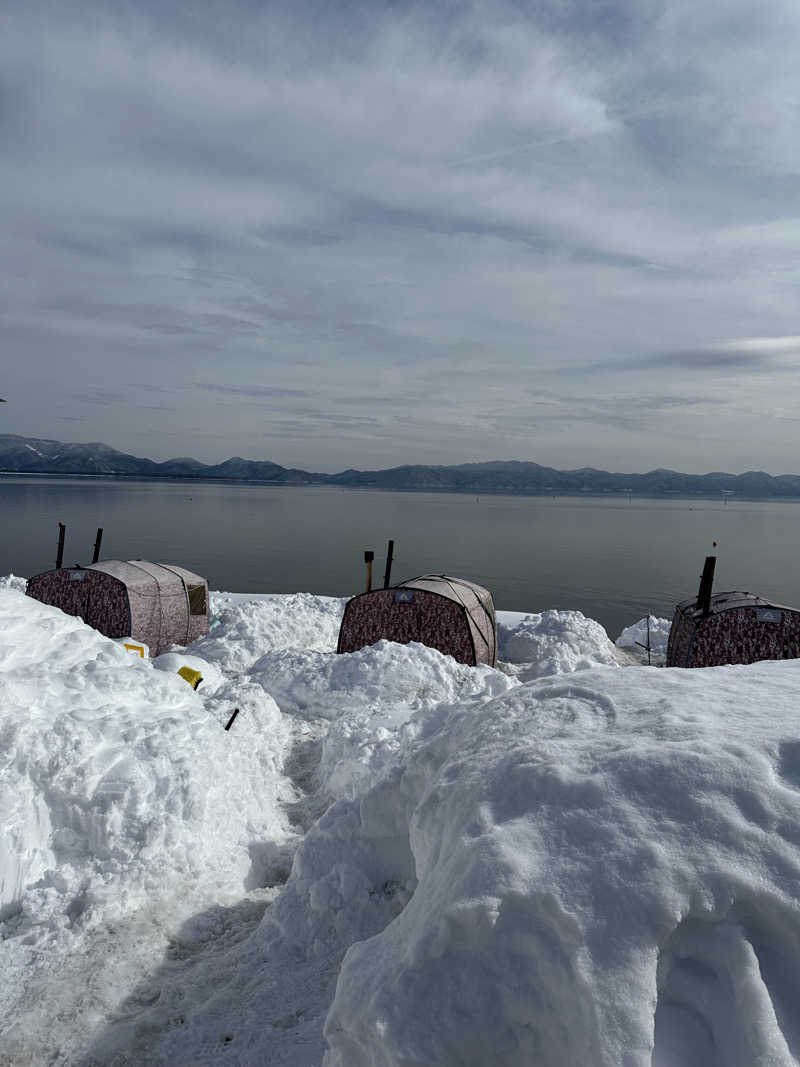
x=33, y=455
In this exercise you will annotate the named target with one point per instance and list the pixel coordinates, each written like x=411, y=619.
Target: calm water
x=615, y=559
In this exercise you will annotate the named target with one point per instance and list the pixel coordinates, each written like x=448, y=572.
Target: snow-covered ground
x=390, y=858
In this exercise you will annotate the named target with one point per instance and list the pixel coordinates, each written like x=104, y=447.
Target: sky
x=342, y=235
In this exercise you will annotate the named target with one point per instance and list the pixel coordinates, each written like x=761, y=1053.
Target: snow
x=591, y=858
x=634, y=639
x=554, y=642
x=391, y=858
x=243, y=628
x=120, y=791
x=11, y=581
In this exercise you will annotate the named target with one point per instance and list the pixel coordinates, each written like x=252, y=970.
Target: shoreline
x=571, y=494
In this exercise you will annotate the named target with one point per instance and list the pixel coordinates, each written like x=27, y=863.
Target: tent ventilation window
x=197, y=599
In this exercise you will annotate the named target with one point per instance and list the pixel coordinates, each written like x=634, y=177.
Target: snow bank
x=366, y=699
x=633, y=637
x=112, y=768
x=603, y=865
x=554, y=642
x=212, y=677
x=119, y=790
x=11, y=581
x=130, y=810
x=555, y=863
x=243, y=630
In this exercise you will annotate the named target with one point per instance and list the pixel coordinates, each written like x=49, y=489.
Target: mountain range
x=33, y=455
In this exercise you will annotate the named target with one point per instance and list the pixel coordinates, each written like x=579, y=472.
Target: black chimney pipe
x=96, y=553
x=706, y=582
x=60, y=555
x=387, y=574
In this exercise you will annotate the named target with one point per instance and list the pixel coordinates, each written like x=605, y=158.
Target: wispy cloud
x=252, y=390
x=775, y=354
x=363, y=210
x=708, y=359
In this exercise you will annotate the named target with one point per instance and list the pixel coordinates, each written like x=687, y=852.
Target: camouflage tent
x=450, y=614
x=734, y=628
x=156, y=603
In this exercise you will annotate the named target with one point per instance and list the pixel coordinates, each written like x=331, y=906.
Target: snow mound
x=596, y=867
x=602, y=874
x=554, y=642
x=366, y=700
x=243, y=630
x=212, y=676
x=119, y=790
x=385, y=674
x=659, y=634
x=11, y=581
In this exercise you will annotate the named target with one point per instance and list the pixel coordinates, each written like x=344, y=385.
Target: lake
x=614, y=559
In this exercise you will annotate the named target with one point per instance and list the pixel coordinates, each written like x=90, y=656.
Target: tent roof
x=727, y=602
x=141, y=575
x=446, y=585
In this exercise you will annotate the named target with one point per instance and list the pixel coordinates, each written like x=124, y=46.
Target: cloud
x=761, y=345
x=401, y=205
x=708, y=359
x=103, y=397
x=749, y=353
x=252, y=390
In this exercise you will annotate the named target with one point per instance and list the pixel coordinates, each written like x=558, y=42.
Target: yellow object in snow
x=139, y=650
x=194, y=678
